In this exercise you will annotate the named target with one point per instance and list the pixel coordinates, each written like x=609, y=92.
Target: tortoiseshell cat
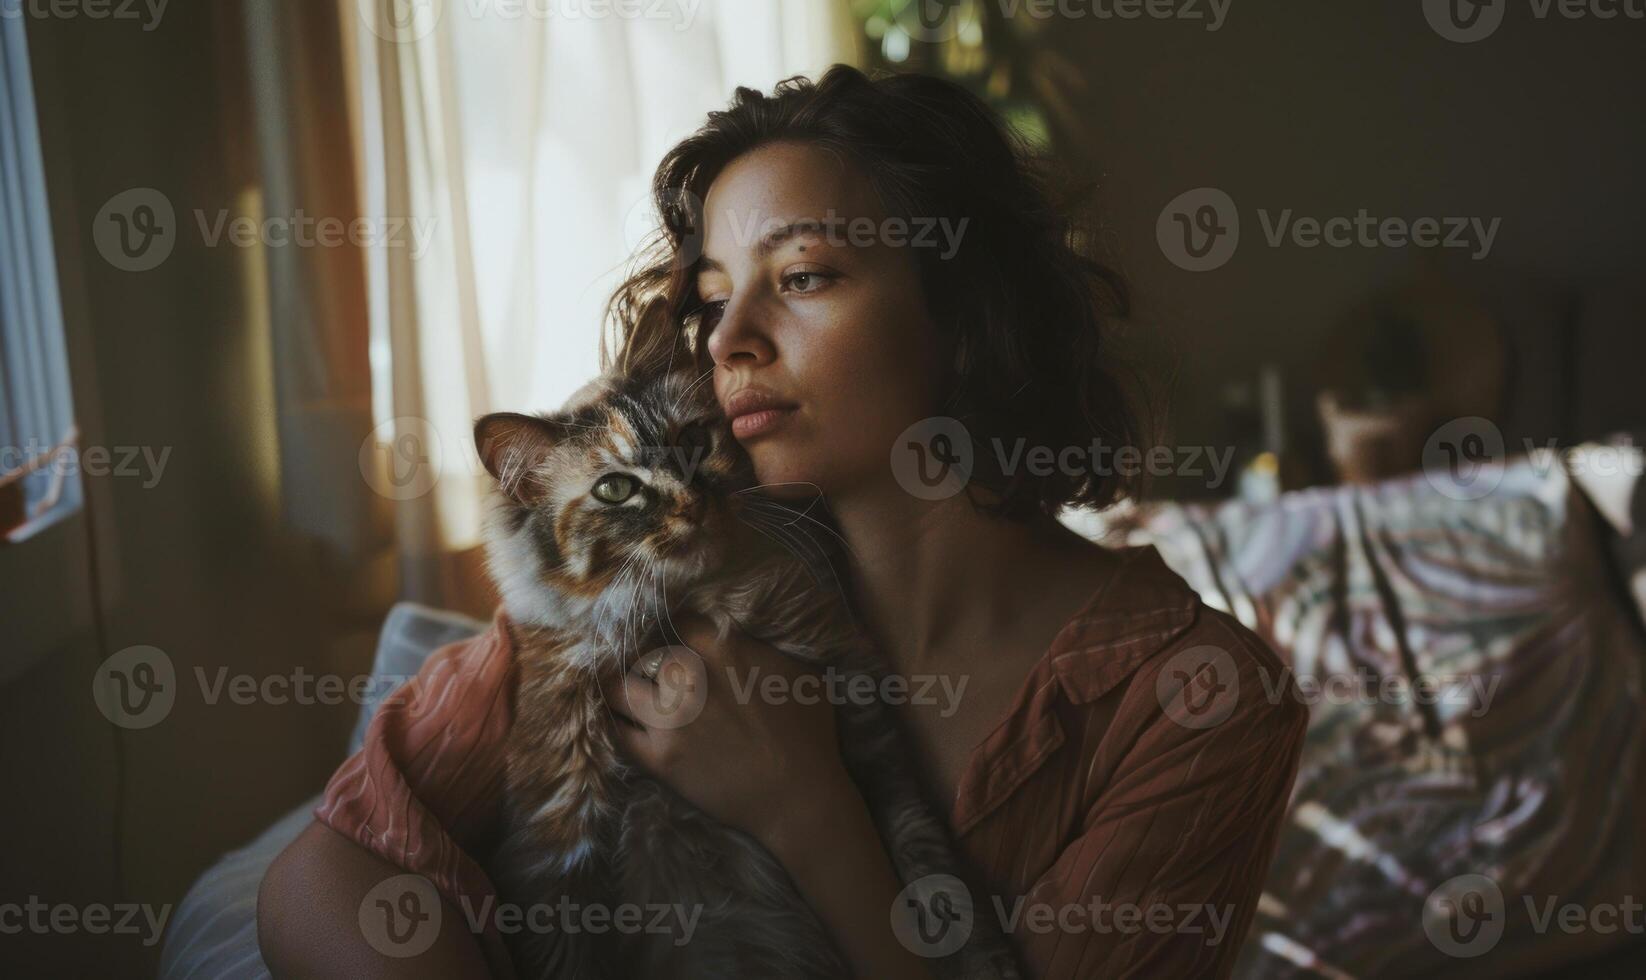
x=631, y=504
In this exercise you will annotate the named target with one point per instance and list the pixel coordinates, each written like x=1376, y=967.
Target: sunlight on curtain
x=518, y=139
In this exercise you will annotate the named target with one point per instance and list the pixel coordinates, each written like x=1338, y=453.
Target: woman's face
x=823, y=348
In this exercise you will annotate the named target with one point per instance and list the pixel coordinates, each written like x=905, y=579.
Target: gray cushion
x=213, y=933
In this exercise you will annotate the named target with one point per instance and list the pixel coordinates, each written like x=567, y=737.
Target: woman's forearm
x=831, y=850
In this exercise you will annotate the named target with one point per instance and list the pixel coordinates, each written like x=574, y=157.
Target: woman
x=880, y=280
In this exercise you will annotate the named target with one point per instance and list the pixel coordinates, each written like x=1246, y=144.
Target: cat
x=632, y=504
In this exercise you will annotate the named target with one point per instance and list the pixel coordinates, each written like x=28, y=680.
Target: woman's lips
x=759, y=423
x=755, y=411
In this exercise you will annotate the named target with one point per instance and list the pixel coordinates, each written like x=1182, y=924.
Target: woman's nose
x=742, y=335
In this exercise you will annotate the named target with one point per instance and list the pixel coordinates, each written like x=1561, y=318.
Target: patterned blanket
x=1475, y=753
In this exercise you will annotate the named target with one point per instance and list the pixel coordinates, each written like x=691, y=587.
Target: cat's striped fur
x=589, y=585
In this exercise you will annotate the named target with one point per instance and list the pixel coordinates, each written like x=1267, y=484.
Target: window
x=39, y=475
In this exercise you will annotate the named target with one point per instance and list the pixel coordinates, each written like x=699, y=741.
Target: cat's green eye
x=614, y=488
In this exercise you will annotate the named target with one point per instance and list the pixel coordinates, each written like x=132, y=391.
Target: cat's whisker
x=816, y=557
x=692, y=387
x=789, y=483
x=661, y=589
x=757, y=502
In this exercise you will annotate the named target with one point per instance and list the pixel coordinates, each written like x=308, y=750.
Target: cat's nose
x=691, y=509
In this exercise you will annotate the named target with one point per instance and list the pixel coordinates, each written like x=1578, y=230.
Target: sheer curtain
x=512, y=141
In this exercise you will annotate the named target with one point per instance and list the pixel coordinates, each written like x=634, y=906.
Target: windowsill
x=29, y=528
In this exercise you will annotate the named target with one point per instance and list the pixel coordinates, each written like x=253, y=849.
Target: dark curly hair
x=1025, y=303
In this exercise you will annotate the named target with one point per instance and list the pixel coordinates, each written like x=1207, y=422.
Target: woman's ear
x=512, y=447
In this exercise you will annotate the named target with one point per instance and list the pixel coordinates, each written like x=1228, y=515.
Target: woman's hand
x=742, y=732
x=727, y=728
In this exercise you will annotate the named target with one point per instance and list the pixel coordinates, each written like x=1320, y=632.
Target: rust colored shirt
x=1119, y=819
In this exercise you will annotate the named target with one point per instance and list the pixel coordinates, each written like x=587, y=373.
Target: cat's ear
x=512, y=446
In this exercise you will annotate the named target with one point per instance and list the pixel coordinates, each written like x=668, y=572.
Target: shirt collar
x=1140, y=609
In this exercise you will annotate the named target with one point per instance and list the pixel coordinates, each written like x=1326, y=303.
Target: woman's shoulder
x=1179, y=660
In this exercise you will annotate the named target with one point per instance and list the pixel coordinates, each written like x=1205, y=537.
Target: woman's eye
x=709, y=314
x=614, y=488
x=805, y=282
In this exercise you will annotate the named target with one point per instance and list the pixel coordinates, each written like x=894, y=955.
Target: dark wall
x=197, y=564
x=1327, y=108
